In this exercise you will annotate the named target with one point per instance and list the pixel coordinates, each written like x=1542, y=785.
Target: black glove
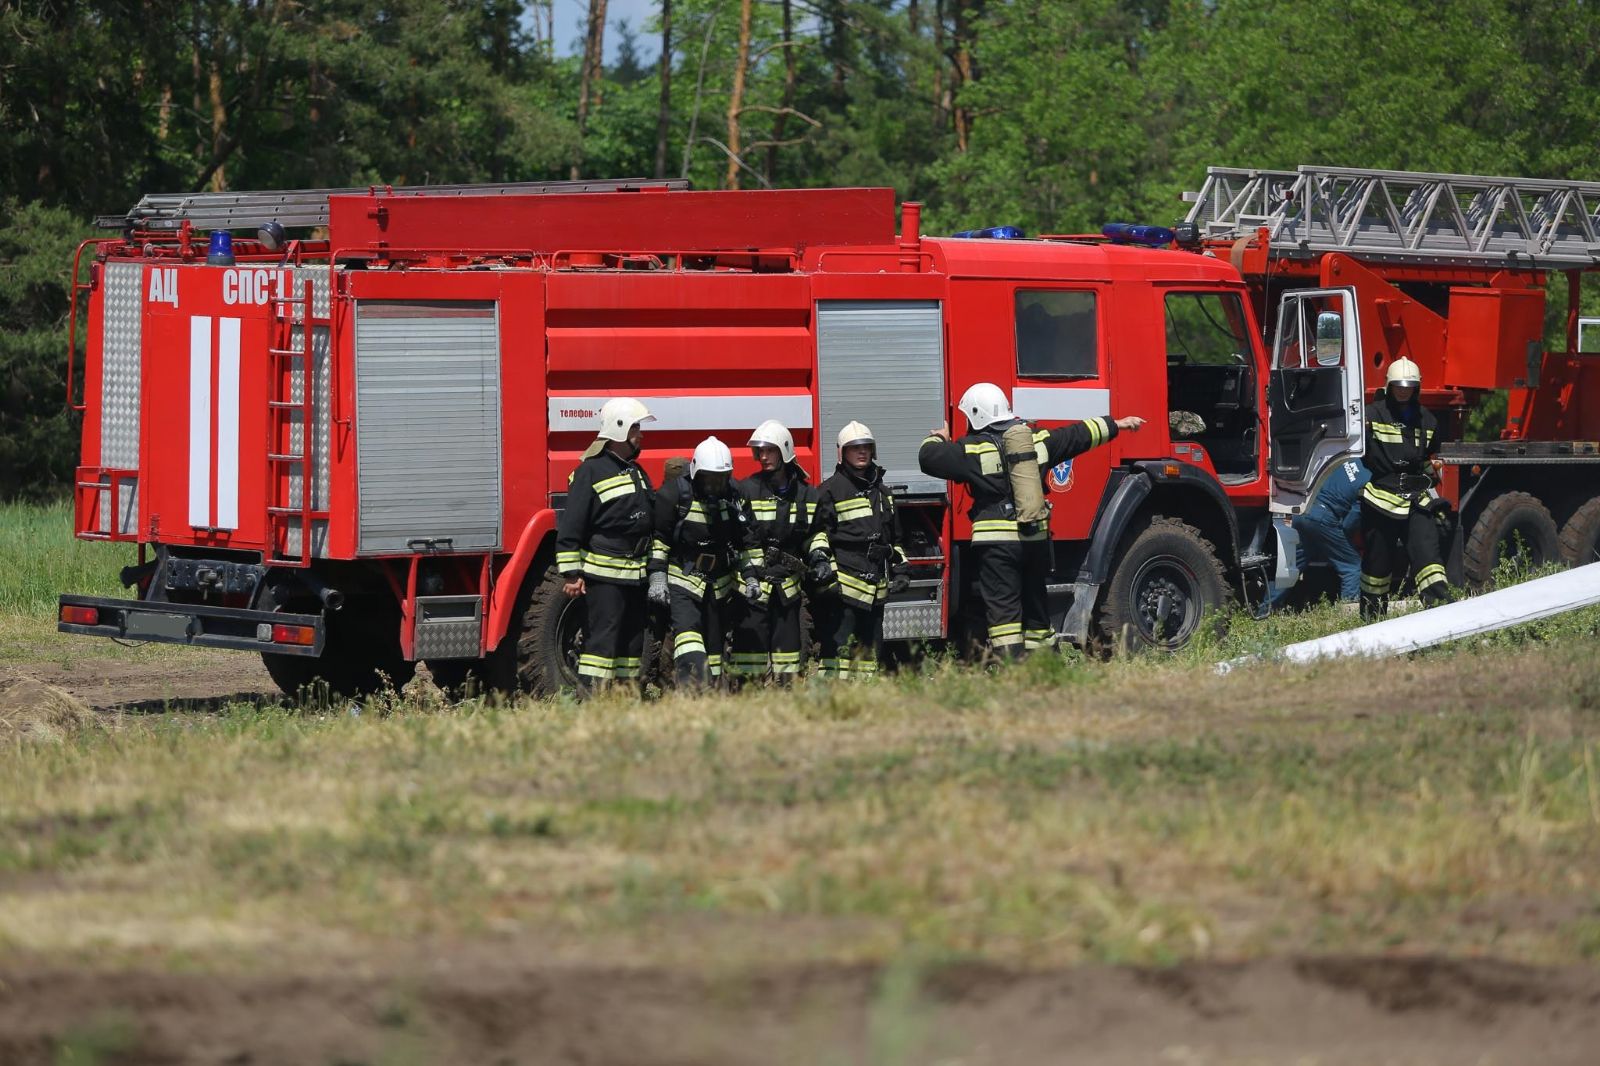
x=821, y=569
x=899, y=577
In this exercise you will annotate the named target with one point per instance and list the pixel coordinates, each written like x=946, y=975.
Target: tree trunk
x=590, y=72
x=965, y=73
x=741, y=64
x=664, y=108
x=941, y=108
x=781, y=123
x=219, y=125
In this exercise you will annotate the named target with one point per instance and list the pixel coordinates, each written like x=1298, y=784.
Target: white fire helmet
x=985, y=404
x=856, y=433
x=619, y=415
x=776, y=434
x=711, y=456
x=1403, y=372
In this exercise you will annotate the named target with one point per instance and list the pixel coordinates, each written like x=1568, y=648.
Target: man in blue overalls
x=1327, y=526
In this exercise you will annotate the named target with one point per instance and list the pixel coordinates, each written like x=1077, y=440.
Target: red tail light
x=80, y=616
x=282, y=634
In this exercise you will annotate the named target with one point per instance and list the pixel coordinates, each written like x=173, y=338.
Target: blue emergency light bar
x=997, y=233
x=1130, y=233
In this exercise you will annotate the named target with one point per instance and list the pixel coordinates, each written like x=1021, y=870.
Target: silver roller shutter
x=428, y=424
x=882, y=362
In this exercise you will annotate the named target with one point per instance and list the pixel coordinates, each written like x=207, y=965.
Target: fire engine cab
x=340, y=427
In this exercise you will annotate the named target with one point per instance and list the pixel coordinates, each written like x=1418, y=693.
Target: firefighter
x=704, y=545
x=603, y=545
x=855, y=558
x=766, y=628
x=1400, y=510
x=1001, y=461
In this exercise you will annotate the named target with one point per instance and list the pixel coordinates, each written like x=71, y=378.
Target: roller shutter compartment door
x=428, y=425
x=882, y=362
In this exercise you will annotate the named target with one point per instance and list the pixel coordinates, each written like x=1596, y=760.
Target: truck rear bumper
x=187, y=623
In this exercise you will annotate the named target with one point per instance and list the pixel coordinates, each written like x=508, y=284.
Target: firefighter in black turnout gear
x=1002, y=462
x=766, y=628
x=855, y=559
x=704, y=546
x=1400, y=511
x=603, y=545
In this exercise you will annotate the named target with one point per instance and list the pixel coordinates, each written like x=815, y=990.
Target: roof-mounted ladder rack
x=301, y=208
x=1527, y=223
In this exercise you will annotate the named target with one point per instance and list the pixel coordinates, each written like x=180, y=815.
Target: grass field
x=1057, y=814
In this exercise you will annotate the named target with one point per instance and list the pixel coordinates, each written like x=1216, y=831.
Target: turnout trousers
x=1391, y=540
x=613, y=640
x=766, y=636
x=696, y=636
x=850, y=634
x=1012, y=576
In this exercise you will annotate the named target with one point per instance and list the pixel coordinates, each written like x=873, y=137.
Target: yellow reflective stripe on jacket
x=1099, y=431
x=596, y=564
x=764, y=508
x=569, y=561
x=613, y=487
x=861, y=590
x=978, y=447
x=993, y=530
x=818, y=542
x=658, y=550
x=1431, y=575
x=1388, y=432
x=1384, y=500
x=852, y=509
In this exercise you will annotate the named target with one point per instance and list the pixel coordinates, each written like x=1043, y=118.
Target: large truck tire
x=1512, y=526
x=360, y=655
x=1164, y=584
x=1580, y=537
x=550, y=639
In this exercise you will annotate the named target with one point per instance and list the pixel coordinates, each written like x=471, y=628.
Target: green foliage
x=38, y=438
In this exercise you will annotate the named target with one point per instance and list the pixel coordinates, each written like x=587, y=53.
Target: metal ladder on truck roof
x=1523, y=223
x=304, y=208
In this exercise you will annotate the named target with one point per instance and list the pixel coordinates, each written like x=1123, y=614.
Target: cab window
x=1057, y=335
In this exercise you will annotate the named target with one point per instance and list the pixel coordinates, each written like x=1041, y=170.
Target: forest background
x=1055, y=115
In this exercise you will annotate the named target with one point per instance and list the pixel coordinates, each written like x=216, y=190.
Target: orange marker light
x=80, y=616
x=282, y=634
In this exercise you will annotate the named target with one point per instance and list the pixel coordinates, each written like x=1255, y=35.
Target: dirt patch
x=200, y=682
x=1368, y=1011
x=34, y=711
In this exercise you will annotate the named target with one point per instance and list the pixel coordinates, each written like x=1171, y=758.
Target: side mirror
x=1330, y=338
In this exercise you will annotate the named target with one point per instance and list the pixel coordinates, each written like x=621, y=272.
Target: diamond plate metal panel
x=448, y=627
x=119, y=385
x=909, y=621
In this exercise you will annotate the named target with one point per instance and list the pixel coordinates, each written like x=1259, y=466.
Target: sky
x=572, y=14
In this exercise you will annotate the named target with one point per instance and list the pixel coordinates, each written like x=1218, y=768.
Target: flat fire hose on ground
x=1517, y=605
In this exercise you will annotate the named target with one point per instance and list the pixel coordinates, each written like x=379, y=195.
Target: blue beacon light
x=997, y=233
x=1131, y=233
x=220, y=251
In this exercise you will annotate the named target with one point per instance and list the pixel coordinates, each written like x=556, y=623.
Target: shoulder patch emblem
x=1061, y=476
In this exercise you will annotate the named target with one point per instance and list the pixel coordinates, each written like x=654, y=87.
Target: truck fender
x=508, y=586
x=1193, y=478
x=1126, y=492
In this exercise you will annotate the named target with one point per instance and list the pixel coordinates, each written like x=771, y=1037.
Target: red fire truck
x=1450, y=271
x=347, y=451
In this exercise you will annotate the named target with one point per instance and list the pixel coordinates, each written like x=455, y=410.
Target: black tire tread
x=1580, y=537
x=1114, y=611
x=1479, y=556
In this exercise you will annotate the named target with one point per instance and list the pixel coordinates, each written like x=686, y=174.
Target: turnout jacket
x=781, y=525
x=603, y=533
x=977, y=462
x=1400, y=443
x=701, y=542
x=855, y=526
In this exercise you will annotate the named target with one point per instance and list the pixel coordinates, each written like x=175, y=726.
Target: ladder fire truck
x=1449, y=271
x=347, y=451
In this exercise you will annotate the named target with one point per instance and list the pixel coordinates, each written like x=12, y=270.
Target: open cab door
x=1318, y=416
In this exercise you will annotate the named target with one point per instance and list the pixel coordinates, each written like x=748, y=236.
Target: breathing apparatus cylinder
x=1022, y=467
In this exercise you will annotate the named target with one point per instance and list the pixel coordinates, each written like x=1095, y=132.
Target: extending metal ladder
x=1526, y=223
x=301, y=208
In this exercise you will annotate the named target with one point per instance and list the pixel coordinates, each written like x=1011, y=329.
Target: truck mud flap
x=194, y=624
